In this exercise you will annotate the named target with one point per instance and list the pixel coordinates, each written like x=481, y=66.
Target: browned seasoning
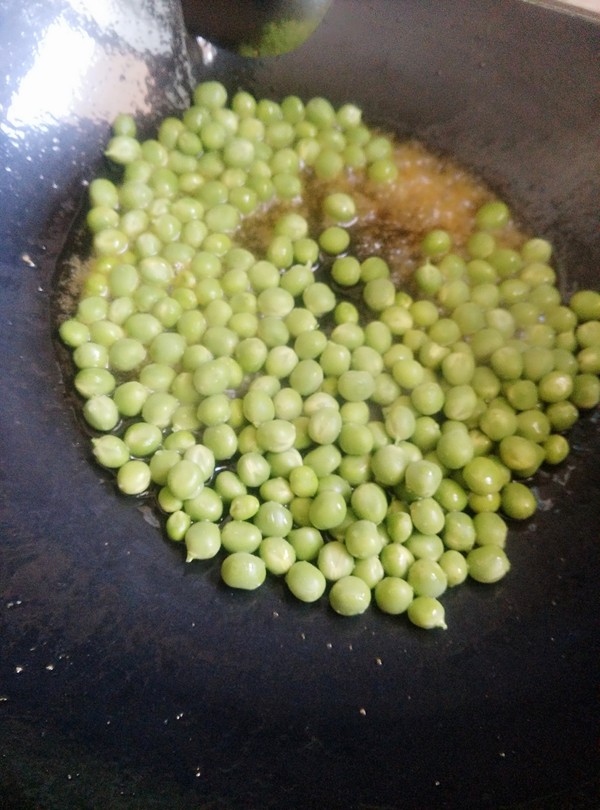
x=392, y=218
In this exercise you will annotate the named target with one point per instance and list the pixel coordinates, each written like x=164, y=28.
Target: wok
x=129, y=680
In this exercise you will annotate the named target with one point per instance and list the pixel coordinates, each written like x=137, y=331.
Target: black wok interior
x=129, y=680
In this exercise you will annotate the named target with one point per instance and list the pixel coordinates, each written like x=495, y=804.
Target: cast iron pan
x=129, y=680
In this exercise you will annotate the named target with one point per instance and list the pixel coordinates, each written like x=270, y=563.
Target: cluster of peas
x=365, y=448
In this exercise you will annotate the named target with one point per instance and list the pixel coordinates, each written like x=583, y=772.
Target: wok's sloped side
x=71, y=67
x=156, y=686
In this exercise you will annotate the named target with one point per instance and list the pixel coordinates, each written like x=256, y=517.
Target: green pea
x=277, y=554
x=490, y=528
x=518, y=501
x=588, y=360
x=305, y=581
x=243, y=570
x=306, y=377
x=355, y=439
x=280, y=252
x=101, y=413
x=306, y=542
x=388, y=463
x=393, y=595
x=382, y=170
x=276, y=489
x=319, y=298
x=484, y=476
x=427, y=515
x=427, y=612
x=206, y=505
x=454, y=565
x=586, y=305
x=142, y=439
x=423, y=478
x=129, y=397
x=333, y=240
x=451, y=496
x=282, y=360
x=458, y=368
x=357, y=413
x=243, y=506
x=74, y=333
x=522, y=394
x=396, y=559
x=487, y=563
x=369, y=502
x=399, y=420
x=399, y=526
x=134, y=477
x=324, y=425
x=158, y=408
x=229, y=486
x=536, y=250
x=428, y=546
x=427, y=578
x=157, y=377
x=370, y=570
x=355, y=469
x=328, y=164
x=460, y=403
x=565, y=340
x=183, y=390
x=91, y=355
x=335, y=561
x=555, y=386
x=327, y=510
x=160, y=463
x=287, y=404
x=240, y=536
x=350, y=596
x=340, y=207
x=480, y=245
x=252, y=469
x=427, y=398
x=203, y=457
x=429, y=279
x=202, y=540
x=436, y=243
x=91, y=382
x=586, y=391
x=459, y=531
x=363, y=539
x=103, y=192
x=123, y=149
x=455, y=451
x=126, y=354
x=282, y=464
x=273, y=519
x=258, y=407
x=556, y=449
x=110, y=451
x=168, y=502
x=489, y=502
x=177, y=525
x=276, y=435
x=310, y=344
x=521, y=455
x=408, y=373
